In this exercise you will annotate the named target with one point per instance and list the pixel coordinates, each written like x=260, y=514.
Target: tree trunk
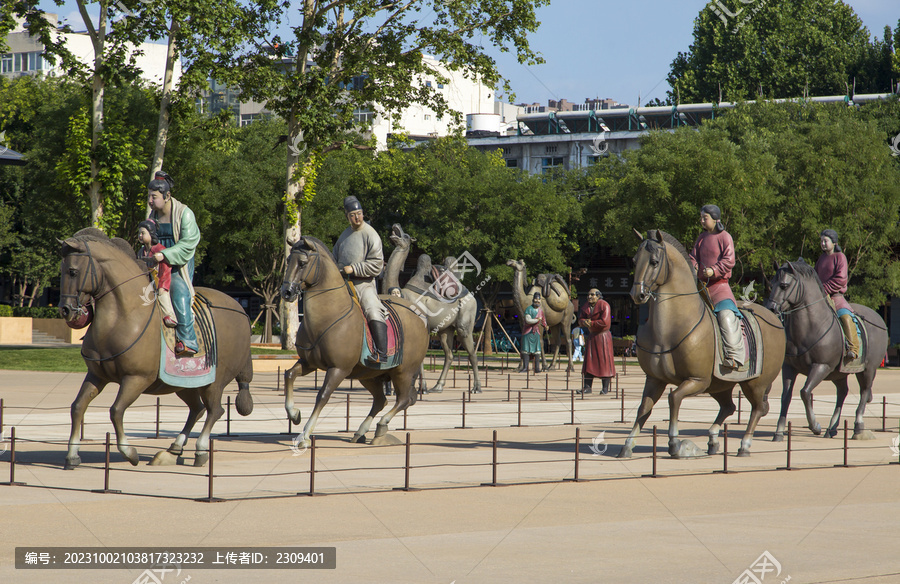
x=98, y=39
x=162, y=131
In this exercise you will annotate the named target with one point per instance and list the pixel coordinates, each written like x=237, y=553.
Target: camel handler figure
x=713, y=257
x=533, y=332
x=359, y=255
x=832, y=270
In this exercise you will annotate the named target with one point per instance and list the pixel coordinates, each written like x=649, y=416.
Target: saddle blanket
x=394, y=333
x=199, y=369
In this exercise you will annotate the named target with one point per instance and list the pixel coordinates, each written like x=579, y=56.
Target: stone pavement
x=820, y=523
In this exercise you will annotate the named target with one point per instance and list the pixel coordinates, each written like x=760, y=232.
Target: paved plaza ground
x=820, y=523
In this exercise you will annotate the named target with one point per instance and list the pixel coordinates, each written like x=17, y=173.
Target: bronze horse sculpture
x=331, y=336
x=815, y=346
x=122, y=344
x=677, y=346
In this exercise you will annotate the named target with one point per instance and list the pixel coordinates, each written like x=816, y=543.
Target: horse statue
x=815, y=346
x=123, y=342
x=678, y=345
x=331, y=338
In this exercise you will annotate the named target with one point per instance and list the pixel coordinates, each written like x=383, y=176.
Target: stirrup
x=182, y=351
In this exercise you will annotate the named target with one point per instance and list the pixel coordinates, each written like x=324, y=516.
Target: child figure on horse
x=832, y=270
x=161, y=271
x=713, y=257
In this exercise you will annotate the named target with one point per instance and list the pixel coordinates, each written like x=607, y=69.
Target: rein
x=315, y=278
x=94, y=281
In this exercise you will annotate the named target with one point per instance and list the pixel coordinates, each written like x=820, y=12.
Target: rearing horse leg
x=300, y=368
x=333, y=378
x=653, y=390
x=212, y=401
x=191, y=398
x=691, y=386
x=129, y=389
x=758, y=396
x=816, y=374
x=788, y=377
x=865, y=380
x=843, y=389
x=90, y=388
x=726, y=408
x=376, y=388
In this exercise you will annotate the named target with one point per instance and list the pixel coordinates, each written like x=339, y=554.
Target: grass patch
x=67, y=360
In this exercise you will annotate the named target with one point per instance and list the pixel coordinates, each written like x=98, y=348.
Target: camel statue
x=442, y=316
x=552, y=287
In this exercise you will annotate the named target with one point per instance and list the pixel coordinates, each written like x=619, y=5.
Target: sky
x=618, y=49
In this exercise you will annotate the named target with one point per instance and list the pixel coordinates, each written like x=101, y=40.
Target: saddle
x=753, y=354
x=199, y=369
x=394, y=332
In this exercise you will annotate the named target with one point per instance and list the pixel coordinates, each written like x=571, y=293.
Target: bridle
x=660, y=297
x=801, y=293
x=314, y=266
x=95, y=282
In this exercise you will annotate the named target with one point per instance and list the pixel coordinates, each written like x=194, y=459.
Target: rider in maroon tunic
x=595, y=318
x=832, y=270
x=713, y=258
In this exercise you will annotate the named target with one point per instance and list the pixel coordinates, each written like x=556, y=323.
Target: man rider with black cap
x=359, y=255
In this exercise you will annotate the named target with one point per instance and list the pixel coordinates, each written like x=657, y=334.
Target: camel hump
x=558, y=299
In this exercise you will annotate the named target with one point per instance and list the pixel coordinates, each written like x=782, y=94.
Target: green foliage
x=6, y=310
x=779, y=48
x=36, y=311
x=67, y=360
x=780, y=173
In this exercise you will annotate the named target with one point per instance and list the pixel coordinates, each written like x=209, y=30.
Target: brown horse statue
x=122, y=344
x=331, y=336
x=815, y=347
x=677, y=345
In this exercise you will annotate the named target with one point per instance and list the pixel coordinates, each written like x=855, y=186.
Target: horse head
x=785, y=288
x=648, y=262
x=307, y=267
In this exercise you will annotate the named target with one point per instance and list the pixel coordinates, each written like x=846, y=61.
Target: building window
x=548, y=164
x=428, y=84
x=247, y=119
x=551, y=149
x=18, y=62
x=440, y=85
x=512, y=163
x=364, y=116
x=6, y=63
x=35, y=61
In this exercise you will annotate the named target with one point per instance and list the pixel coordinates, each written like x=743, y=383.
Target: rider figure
x=178, y=232
x=359, y=255
x=713, y=258
x=532, y=333
x=832, y=270
x=161, y=271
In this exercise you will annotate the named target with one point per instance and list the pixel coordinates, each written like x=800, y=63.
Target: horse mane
x=92, y=234
x=807, y=271
x=317, y=246
x=675, y=244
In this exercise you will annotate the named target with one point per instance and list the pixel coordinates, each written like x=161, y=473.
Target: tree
x=240, y=191
x=346, y=55
x=773, y=48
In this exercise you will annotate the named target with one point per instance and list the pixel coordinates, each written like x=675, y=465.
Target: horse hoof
x=685, y=449
x=71, y=463
x=830, y=432
x=778, y=437
x=131, y=455
x=863, y=435
x=435, y=389
x=743, y=453
x=295, y=417
x=201, y=458
x=476, y=390
x=385, y=440
x=358, y=439
x=626, y=452
x=817, y=429
x=164, y=458
x=712, y=449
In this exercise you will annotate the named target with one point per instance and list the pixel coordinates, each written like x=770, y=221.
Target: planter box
x=15, y=330
x=57, y=327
